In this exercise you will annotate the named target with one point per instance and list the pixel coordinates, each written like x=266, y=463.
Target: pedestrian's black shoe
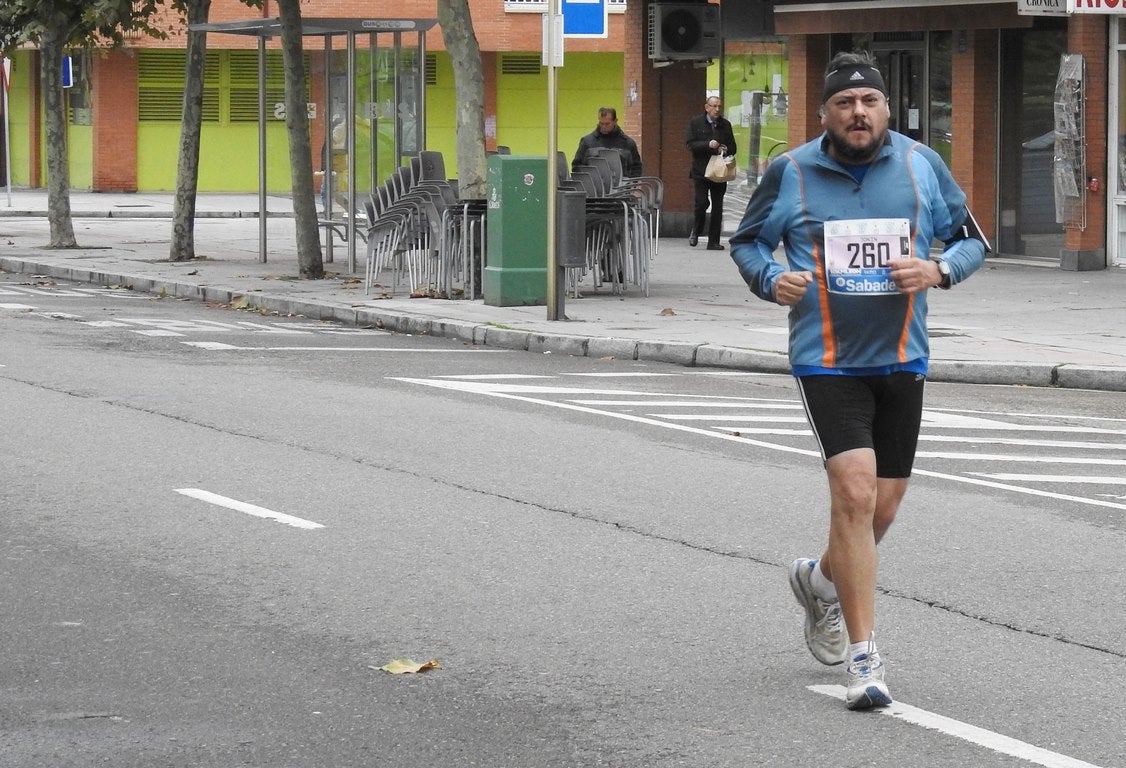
x=715, y=247
x=692, y=239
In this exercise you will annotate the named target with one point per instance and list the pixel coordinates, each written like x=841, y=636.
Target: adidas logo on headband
x=853, y=77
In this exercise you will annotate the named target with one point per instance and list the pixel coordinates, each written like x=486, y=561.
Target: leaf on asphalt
x=666, y=312
x=239, y=302
x=409, y=666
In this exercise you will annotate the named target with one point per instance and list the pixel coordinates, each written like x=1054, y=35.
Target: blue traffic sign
x=584, y=18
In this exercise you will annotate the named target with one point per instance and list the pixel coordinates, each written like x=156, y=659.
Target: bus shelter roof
x=271, y=27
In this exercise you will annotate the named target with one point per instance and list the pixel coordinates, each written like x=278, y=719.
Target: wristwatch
x=944, y=270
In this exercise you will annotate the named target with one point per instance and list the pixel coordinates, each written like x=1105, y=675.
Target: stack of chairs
x=405, y=231
x=623, y=221
x=423, y=231
x=462, y=252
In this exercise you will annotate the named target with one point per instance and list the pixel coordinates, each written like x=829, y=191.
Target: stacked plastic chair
x=623, y=220
x=406, y=230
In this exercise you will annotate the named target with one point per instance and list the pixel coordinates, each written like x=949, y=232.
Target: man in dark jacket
x=708, y=134
x=609, y=136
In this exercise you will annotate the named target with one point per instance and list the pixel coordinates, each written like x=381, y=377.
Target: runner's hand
x=791, y=286
x=912, y=275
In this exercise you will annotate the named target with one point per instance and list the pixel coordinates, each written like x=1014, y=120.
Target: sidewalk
x=1015, y=322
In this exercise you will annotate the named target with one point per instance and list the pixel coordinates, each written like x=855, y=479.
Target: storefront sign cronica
x=1042, y=7
x=1096, y=6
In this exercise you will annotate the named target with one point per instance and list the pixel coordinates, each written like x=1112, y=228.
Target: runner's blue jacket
x=804, y=188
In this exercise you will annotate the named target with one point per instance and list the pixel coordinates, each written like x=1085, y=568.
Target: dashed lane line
x=249, y=509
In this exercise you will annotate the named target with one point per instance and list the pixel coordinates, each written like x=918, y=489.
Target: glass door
x=1029, y=63
x=907, y=89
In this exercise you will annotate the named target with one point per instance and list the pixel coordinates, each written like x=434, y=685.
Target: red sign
x=1096, y=6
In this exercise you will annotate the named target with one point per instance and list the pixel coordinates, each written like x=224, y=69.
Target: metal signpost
x=565, y=18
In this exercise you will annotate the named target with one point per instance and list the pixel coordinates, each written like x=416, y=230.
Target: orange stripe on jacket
x=905, y=333
x=829, y=356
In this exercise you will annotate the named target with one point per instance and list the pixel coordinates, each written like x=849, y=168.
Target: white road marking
x=48, y=292
x=211, y=345
x=515, y=392
x=773, y=330
x=941, y=420
x=991, y=740
x=1030, y=459
x=742, y=374
x=1071, y=416
x=155, y=332
x=250, y=509
x=714, y=416
x=58, y=315
x=219, y=346
x=760, y=431
x=1078, y=444
x=622, y=375
x=520, y=392
x=712, y=402
x=283, y=330
x=494, y=376
x=21, y=307
x=1104, y=480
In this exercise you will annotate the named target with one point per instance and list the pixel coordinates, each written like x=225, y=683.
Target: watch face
x=943, y=268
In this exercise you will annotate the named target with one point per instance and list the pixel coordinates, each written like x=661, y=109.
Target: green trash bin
x=516, y=225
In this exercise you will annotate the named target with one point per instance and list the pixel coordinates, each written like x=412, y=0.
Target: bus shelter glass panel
x=388, y=97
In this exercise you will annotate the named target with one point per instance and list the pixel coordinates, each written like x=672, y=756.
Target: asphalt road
x=219, y=525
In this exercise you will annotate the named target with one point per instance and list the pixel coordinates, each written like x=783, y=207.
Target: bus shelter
x=370, y=104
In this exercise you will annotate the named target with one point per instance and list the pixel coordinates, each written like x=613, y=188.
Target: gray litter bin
x=570, y=228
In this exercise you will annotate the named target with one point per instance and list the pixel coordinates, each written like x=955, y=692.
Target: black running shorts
x=878, y=412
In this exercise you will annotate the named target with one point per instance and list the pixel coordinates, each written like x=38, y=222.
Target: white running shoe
x=825, y=633
x=866, y=686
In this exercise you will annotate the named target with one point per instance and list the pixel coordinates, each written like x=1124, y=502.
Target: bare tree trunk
x=469, y=85
x=58, y=171
x=187, y=171
x=300, y=155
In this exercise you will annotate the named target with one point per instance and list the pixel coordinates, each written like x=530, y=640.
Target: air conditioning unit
x=684, y=31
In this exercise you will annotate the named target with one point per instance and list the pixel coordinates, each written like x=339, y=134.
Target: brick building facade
x=967, y=62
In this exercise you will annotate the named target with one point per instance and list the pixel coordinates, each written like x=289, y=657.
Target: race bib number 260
x=857, y=252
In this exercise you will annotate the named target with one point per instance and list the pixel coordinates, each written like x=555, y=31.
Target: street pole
x=553, y=55
x=5, y=74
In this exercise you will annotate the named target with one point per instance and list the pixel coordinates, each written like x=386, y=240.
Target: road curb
x=689, y=354
x=27, y=213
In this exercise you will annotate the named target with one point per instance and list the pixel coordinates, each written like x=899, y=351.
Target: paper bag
x=720, y=168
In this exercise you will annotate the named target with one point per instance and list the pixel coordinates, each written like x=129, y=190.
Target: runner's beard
x=854, y=155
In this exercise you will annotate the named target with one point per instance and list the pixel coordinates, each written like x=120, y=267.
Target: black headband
x=853, y=77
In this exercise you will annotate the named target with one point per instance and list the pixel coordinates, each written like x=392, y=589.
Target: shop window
x=1120, y=139
x=756, y=101
x=941, y=126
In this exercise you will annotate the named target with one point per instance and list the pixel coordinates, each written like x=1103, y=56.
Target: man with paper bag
x=710, y=140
